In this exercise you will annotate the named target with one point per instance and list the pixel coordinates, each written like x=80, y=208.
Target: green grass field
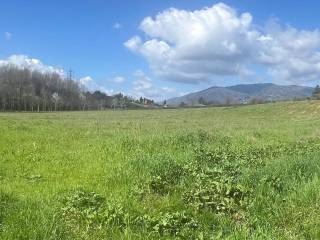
x=218, y=173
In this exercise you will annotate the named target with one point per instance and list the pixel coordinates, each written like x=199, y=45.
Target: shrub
x=164, y=176
x=215, y=185
x=177, y=224
x=91, y=210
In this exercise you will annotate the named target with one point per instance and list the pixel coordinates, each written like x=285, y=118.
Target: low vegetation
x=248, y=172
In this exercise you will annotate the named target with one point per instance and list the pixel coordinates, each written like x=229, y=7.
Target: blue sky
x=90, y=36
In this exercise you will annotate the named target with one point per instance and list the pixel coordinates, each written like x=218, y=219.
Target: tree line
x=28, y=90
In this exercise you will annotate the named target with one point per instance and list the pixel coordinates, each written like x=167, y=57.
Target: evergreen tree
x=316, y=92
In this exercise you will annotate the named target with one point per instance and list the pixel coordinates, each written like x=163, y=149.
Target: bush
x=177, y=224
x=163, y=177
x=91, y=210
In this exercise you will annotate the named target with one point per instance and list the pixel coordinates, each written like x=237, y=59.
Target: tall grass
x=221, y=173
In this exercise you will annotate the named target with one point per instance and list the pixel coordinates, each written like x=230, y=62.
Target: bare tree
x=27, y=90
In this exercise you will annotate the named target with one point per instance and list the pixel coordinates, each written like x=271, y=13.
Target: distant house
x=147, y=101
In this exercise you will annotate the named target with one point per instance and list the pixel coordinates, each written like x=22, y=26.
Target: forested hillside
x=244, y=94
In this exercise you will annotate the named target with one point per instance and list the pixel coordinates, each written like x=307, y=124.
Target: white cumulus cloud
x=291, y=55
x=85, y=80
x=145, y=87
x=91, y=85
x=198, y=46
x=134, y=43
x=23, y=61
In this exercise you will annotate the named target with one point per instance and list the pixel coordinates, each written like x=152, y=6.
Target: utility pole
x=70, y=74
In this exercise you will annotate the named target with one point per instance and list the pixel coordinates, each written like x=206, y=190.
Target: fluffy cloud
x=144, y=86
x=195, y=46
x=85, y=80
x=23, y=61
x=291, y=55
x=90, y=84
x=134, y=43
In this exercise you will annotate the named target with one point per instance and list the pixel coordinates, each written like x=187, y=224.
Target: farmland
x=210, y=173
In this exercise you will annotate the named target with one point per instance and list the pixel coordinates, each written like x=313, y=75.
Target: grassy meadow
x=248, y=172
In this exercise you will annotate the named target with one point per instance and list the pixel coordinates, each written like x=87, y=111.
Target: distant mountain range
x=243, y=93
